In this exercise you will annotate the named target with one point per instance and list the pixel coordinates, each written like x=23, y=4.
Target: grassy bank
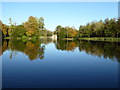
x=68, y=39
x=27, y=38
x=7, y=38
x=109, y=39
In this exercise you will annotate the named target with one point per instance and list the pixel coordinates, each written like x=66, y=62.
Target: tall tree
x=31, y=26
x=11, y=27
x=41, y=23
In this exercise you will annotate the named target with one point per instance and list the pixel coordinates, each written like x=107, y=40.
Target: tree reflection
x=35, y=49
x=4, y=46
x=106, y=49
x=66, y=45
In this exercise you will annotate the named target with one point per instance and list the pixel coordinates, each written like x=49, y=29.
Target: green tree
x=118, y=28
x=11, y=27
x=108, y=28
x=57, y=31
x=41, y=23
x=63, y=33
x=19, y=31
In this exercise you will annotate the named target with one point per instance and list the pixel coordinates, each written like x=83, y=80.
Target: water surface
x=60, y=64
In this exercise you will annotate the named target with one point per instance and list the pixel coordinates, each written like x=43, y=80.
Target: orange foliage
x=71, y=46
x=72, y=32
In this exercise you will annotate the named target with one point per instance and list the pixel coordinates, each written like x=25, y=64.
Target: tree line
x=65, y=32
x=33, y=28
x=106, y=28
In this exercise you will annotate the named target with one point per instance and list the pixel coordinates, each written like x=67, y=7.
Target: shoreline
x=108, y=39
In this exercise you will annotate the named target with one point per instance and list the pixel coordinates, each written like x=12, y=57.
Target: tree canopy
x=35, y=27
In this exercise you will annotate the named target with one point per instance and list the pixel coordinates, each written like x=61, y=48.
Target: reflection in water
x=35, y=49
x=106, y=49
x=66, y=45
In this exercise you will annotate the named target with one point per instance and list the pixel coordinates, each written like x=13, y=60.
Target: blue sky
x=71, y=14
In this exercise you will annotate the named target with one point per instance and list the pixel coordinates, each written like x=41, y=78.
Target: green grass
x=27, y=38
x=7, y=38
x=67, y=38
x=109, y=39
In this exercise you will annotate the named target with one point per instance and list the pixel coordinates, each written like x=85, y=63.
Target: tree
x=113, y=27
x=31, y=26
x=4, y=29
x=11, y=27
x=118, y=28
x=108, y=28
x=71, y=32
x=81, y=31
x=57, y=31
x=19, y=31
x=0, y=25
x=63, y=33
x=41, y=23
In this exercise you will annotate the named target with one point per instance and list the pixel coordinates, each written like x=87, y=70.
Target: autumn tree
x=4, y=29
x=31, y=26
x=65, y=32
x=71, y=32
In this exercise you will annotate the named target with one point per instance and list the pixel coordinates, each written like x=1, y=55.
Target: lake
x=46, y=63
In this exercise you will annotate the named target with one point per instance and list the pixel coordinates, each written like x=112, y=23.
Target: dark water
x=60, y=64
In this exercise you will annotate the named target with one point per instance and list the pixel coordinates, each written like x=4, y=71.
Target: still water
x=60, y=64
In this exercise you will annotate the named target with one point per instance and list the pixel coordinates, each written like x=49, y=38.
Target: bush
x=19, y=31
x=24, y=37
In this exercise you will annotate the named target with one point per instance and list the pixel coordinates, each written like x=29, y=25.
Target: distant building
x=54, y=37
